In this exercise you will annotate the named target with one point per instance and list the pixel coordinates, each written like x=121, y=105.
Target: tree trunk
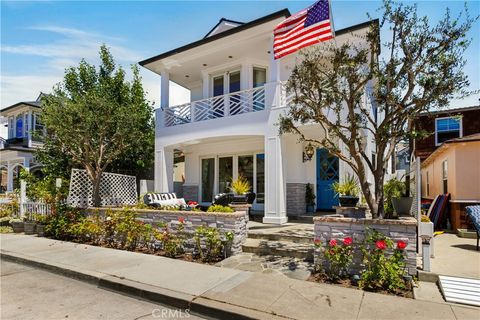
x=97, y=200
x=379, y=195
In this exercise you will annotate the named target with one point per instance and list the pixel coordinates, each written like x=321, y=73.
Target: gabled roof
x=448, y=111
x=282, y=13
x=444, y=146
x=226, y=24
x=35, y=104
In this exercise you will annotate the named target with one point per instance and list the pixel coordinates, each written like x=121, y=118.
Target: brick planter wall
x=296, y=204
x=223, y=221
x=327, y=228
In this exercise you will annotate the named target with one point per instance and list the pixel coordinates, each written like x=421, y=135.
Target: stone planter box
x=327, y=228
x=351, y=212
x=30, y=228
x=41, y=230
x=18, y=227
x=235, y=222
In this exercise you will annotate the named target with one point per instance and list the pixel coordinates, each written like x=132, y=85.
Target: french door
x=217, y=173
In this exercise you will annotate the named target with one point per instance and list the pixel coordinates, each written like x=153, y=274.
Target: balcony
x=228, y=105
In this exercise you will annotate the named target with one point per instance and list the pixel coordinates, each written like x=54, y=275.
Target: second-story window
x=447, y=128
x=38, y=125
x=19, y=126
x=259, y=77
x=11, y=129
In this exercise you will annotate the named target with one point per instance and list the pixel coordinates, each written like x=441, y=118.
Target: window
x=245, y=168
x=38, y=125
x=447, y=128
x=208, y=174
x=218, y=86
x=225, y=173
x=11, y=129
x=259, y=77
x=445, y=176
x=260, y=178
x=19, y=127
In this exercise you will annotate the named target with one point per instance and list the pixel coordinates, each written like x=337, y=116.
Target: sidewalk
x=217, y=292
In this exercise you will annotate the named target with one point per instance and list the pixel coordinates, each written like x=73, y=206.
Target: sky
x=39, y=39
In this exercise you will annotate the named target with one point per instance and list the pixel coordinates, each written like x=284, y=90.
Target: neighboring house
x=229, y=127
x=445, y=125
x=450, y=158
x=17, y=151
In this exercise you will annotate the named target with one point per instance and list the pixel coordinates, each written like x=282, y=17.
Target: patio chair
x=163, y=199
x=473, y=213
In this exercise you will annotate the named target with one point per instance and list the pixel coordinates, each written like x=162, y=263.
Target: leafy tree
x=96, y=119
x=421, y=68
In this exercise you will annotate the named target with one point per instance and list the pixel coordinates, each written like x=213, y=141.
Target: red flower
x=381, y=244
x=332, y=252
x=347, y=241
x=317, y=242
x=401, y=244
x=181, y=220
x=333, y=243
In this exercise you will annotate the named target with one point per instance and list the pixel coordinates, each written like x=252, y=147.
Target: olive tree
x=420, y=68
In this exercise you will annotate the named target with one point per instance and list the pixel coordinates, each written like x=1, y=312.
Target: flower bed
x=234, y=222
x=187, y=235
x=373, y=254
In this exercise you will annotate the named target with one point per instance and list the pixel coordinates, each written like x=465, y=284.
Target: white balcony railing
x=227, y=105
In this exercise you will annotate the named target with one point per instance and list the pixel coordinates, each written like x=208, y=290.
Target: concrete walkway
x=217, y=292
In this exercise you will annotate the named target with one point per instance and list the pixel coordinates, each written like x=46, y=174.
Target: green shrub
x=394, y=188
x=382, y=272
x=220, y=208
x=339, y=258
x=6, y=229
x=349, y=186
x=212, y=243
x=59, y=222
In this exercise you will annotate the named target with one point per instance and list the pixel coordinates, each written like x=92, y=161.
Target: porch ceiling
x=230, y=46
x=226, y=139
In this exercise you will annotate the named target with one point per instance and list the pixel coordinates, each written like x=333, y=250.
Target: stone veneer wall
x=338, y=228
x=190, y=193
x=223, y=221
x=296, y=204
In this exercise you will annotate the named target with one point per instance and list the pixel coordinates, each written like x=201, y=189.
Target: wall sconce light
x=308, y=152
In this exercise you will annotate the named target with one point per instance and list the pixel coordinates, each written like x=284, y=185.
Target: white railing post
x=192, y=112
x=23, y=197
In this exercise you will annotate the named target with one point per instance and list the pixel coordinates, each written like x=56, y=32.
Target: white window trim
x=436, y=130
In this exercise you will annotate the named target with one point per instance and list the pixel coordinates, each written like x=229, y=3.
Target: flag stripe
x=303, y=45
x=306, y=37
x=305, y=28
x=302, y=32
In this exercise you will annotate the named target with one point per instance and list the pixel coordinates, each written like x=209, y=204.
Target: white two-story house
x=24, y=131
x=229, y=127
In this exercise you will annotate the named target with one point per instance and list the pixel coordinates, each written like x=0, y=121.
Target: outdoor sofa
x=473, y=212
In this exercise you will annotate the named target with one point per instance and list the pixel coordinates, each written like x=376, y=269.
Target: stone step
x=280, y=237
x=263, y=247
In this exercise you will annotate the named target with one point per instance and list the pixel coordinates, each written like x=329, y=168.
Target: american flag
x=303, y=29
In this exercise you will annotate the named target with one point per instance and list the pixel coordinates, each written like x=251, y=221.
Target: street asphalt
x=29, y=293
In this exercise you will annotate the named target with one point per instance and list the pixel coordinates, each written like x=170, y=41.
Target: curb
x=196, y=304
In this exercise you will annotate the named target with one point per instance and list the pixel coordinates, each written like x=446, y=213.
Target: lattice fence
x=115, y=189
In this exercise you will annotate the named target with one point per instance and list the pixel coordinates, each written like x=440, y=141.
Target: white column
x=164, y=169
x=165, y=89
x=275, y=183
x=274, y=68
x=205, y=85
x=30, y=128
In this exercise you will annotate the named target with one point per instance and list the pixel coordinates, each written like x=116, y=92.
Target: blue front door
x=327, y=174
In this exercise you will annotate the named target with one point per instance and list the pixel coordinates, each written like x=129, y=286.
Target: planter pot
x=402, y=205
x=30, y=227
x=17, y=227
x=425, y=229
x=348, y=201
x=41, y=230
x=310, y=209
x=239, y=199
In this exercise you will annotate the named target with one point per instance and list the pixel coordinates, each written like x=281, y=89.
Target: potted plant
x=396, y=198
x=309, y=198
x=240, y=187
x=347, y=191
x=41, y=220
x=17, y=225
x=30, y=225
